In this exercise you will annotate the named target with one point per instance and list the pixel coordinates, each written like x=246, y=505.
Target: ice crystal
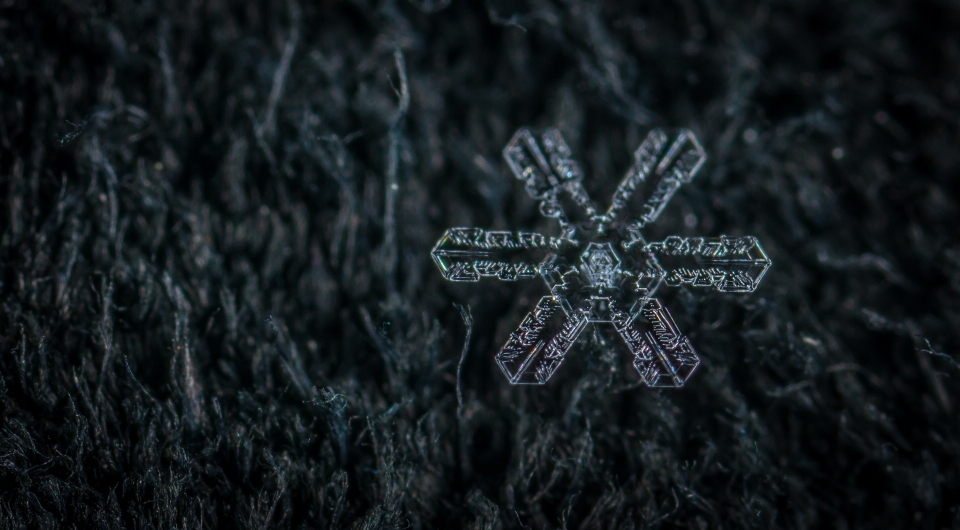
x=601, y=269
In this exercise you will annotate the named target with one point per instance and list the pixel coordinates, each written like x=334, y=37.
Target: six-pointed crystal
x=601, y=269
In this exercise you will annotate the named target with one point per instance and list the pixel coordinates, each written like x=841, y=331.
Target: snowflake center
x=601, y=264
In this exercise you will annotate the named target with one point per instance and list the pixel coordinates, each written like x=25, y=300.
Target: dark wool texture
x=218, y=307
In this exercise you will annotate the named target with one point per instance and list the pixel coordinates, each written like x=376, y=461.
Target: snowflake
x=600, y=269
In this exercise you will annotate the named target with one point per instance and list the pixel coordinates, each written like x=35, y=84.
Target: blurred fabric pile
x=218, y=307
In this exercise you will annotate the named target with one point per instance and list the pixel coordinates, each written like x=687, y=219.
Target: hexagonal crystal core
x=601, y=264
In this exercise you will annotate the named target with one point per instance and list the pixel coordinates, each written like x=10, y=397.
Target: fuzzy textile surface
x=218, y=307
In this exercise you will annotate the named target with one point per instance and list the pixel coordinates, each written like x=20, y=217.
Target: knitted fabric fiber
x=218, y=307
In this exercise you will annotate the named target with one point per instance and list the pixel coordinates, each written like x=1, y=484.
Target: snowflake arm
x=663, y=356
x=645, y=161
x=729, y=264
x=535, y=350
x=467, y=254
x=659, y=174
x=552, y=177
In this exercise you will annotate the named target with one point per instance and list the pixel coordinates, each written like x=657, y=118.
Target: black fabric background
x=213, y=316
